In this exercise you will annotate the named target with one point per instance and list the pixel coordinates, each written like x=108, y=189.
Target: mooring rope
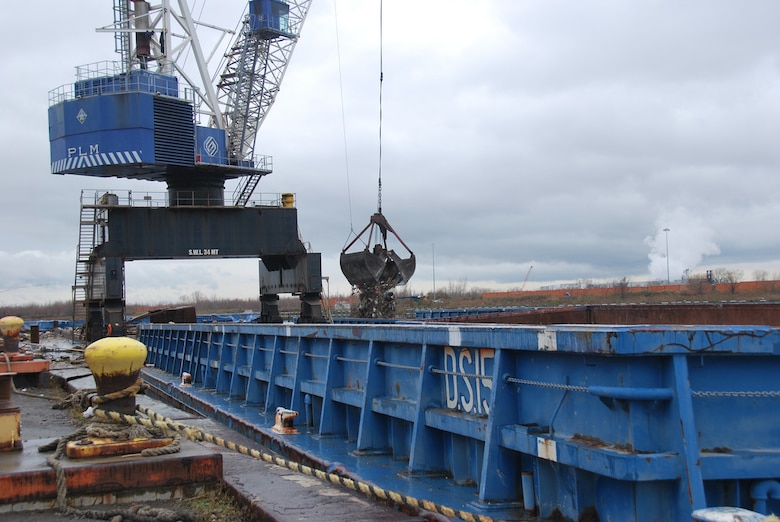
x=89, y=397
x=138, y=513
x=370, y=490
x=107, y=428
x=54, y=461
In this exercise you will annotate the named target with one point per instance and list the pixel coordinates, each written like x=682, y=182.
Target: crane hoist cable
x=381, y=268
x=343, y=117
x=381, y=79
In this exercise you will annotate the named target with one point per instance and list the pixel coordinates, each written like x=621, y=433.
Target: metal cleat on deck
x=107, y=446
x=285, y=421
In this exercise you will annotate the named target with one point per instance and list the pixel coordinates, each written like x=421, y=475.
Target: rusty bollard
x=116, y=363
x=10, y=416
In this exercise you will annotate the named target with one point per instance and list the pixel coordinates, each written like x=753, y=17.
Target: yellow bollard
x=10, y=327
x=115, y=363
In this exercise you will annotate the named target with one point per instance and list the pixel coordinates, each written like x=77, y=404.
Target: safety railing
x=130, y=198
x=108, y=77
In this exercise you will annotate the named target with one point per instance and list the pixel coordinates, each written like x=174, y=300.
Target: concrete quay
x=270, y=492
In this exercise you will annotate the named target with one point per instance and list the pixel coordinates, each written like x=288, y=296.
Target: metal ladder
x=91, y=215
x=122, y=38
x=244, y=191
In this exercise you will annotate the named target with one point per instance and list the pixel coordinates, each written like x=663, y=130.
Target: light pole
x=433, y=262
x=668, y=280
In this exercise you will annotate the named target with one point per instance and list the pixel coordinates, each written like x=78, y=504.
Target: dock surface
x=272, y=492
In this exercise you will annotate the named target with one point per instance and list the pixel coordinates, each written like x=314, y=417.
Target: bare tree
x=622, y=287
x=457, y=290
x=719, y=275
x=728, y=276
x=698, y=284
x=732, y=278
x=584, y=283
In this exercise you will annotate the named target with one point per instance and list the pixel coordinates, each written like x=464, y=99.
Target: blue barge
x=644, y=423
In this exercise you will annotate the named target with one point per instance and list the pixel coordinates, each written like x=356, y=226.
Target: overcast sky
x=563, y=135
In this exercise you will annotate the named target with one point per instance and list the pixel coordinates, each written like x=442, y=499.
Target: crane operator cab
x=270, y=18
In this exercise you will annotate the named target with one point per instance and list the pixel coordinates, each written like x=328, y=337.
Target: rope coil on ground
x=108, y=428
x=371, y=490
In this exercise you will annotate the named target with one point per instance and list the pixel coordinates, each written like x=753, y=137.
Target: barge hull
x=643, y=423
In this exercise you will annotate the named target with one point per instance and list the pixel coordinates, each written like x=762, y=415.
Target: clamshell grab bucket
x=379, y=265
x=367, y=267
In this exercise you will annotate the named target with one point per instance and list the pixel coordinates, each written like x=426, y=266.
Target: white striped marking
x=546, y=449
x=95, y=160
x=455, y=337
x=547, y=341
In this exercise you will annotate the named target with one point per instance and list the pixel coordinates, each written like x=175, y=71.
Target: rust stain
x=717, y=449
x=702, y=313
x=589, y=440
x=596, y=442
x=96, y=447
x=112, y=475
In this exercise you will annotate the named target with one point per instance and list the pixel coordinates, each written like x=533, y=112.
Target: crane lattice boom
x=254, y=68
x=164, y=36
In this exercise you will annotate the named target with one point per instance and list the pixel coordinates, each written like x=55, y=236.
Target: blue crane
x=148, y=117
